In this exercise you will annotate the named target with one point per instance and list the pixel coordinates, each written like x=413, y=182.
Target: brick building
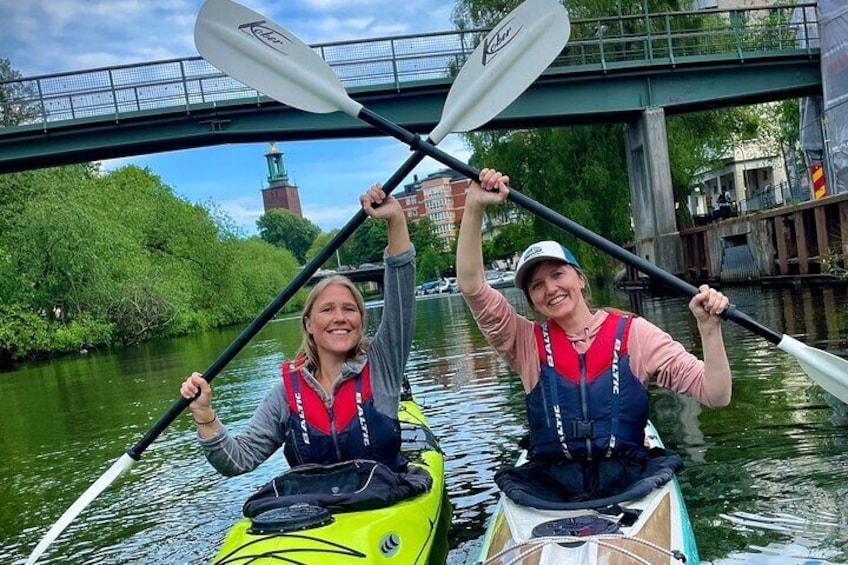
x=439, y=196
x=280, y=194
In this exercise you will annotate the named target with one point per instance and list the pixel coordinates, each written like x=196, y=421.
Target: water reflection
x=764, y=478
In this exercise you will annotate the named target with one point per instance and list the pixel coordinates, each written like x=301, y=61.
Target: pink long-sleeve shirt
x=653, y=353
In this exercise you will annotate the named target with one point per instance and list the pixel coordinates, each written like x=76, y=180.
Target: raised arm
x=393, y=340
x=492, y=189
x=377, y=205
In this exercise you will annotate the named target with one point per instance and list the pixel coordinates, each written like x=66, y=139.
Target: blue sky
x=43, y=37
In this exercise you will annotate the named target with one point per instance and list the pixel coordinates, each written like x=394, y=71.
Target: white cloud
x=329, y=217
x=47, y=37
x=327, y=5
x=244, y=211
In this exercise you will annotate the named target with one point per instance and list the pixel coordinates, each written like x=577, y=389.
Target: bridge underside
x=560, y=97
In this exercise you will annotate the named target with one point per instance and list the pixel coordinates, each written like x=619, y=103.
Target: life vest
x=351, y=428
x=587, y=405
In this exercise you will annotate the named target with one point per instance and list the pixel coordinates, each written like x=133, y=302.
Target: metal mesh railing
x=774, y=196
x=399, y=62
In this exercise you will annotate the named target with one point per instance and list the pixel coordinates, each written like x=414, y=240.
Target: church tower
x=279, y=194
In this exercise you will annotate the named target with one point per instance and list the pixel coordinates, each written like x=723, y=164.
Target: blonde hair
x=309, y=350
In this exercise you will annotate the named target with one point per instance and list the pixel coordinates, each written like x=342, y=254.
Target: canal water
x=766, y=479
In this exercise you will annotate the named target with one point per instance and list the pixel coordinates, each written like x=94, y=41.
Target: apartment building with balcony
x=440, y=196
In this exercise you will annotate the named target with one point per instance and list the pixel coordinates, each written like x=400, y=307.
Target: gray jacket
x=387, y=354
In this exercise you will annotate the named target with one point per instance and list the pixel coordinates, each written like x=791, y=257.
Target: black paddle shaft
x=281, y=300
x=560, y=221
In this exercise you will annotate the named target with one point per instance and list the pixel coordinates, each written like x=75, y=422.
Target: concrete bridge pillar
x=655, y=227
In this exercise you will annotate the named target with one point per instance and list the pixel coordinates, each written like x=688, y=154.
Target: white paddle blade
x=101, y=484
x=827, y=370
x=505, y=63
x=257, y=52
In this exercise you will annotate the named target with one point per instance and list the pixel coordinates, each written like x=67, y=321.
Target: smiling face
x=556, y=290
x=334, y=322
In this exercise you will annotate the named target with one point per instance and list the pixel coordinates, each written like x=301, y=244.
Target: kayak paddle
x=485, y=86
x=311, y=85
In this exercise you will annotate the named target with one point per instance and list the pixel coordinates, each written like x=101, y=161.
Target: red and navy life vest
x=351, y=429
x=587, y=405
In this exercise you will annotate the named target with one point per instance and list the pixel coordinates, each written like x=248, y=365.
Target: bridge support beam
x=657, y=239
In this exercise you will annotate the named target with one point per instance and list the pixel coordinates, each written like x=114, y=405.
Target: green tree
x=339, y=258
x=782, y=124
x=581, y=171
x=699, y=141
x=367, y=243
x=17, y=99
x=16, y=190
x=512, y=238
x=431, y=265
x=259, y=271
x=92, y=259
x=423, y=234
x=284, y=229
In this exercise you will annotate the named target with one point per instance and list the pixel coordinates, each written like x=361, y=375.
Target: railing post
x=670, y=42
x=620, y=20
x=114, y=94
x=41, y=104
x=460, y=61
x=806, y=31
x=185, y=85
x=648, y=35
x=601, y=46
x=734, y=22
x=394, y=65
x=650, y=50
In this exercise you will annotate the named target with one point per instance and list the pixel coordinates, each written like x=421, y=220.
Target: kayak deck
x=654, y=529
x=402, y=533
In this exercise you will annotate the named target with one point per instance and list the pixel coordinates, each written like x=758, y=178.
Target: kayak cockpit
x=643, y=526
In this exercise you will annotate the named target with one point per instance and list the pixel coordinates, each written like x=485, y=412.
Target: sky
x=44, y=37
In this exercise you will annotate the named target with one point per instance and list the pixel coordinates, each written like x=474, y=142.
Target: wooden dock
x=788, y=245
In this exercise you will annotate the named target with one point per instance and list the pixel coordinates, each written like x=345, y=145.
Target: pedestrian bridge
x=611, y=70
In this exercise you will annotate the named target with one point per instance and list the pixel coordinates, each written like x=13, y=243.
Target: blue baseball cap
x=542, y=251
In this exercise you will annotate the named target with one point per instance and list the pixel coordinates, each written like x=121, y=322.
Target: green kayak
x=403, y=533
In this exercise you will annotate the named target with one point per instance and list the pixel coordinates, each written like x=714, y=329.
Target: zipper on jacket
x=584, y=402
x=295, y=449
x=333, y=432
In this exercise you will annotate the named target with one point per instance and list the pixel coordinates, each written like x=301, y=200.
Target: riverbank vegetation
x=90, y=259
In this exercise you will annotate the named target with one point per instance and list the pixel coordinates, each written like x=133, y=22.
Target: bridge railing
x=188, y=84
x=678, y=37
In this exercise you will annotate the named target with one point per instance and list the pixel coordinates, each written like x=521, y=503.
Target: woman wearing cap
x=585, y=372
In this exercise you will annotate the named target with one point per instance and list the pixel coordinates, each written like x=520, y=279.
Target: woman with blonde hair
x=338, y=399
